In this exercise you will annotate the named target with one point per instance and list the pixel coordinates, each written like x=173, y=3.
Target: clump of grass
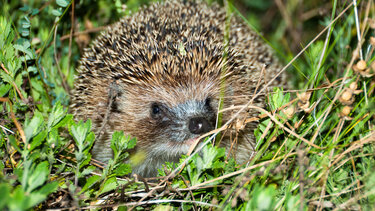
x=315, y=142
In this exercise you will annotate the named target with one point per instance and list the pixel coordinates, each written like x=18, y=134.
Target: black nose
x=199, y=125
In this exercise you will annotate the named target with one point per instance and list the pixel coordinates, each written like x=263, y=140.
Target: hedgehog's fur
x=171, y=57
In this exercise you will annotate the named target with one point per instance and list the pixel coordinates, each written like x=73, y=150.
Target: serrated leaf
x=4, y=89
x=209, y=154
x=132, y=142
x=79, y=132
x=56, y=115
x=22, y=44
x=37, y=85
x=7, y=78
x=118, y=142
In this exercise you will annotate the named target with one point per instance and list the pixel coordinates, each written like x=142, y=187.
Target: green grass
x=315, y=142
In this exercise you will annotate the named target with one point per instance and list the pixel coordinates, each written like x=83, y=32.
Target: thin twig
x=57, y=62
x=93, y=30
x=72, y=18
x=13, y=117
x=151, y=202
x=355, y=145
x=14, y=84
x=6, y=129
x=357, y=27
x=113, y=92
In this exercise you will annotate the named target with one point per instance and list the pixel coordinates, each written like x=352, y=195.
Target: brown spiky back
x=170, y=52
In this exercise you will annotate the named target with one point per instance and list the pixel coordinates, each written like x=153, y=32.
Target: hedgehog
x=161, y=74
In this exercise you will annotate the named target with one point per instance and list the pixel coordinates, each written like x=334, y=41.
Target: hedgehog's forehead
x=173, y=93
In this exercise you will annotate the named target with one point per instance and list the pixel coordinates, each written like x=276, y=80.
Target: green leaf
x=48, y=188
x=19, y=200
x=22, y=45
x=110, y=184
x=38, y=176
x=123, y=169
x=32, y=69
x=40, y=195
x=5, y=194
x=33, y=127
x=4, y=89
x=62, y=3
x=265, y=198
x=37, y=85
x=34, y=11
x=120, y=142
x=90, y=182
x=6, y=77
x=88, y=170
x=53, y=138
x=25, y=8
x=64, y=121
x=38, y=140
x=57, y=12
x=13, y=142
x=79, y=132
x=132, y=142
x=56, y=115
x=209, y=154
x=25, y=33
x=25, y=23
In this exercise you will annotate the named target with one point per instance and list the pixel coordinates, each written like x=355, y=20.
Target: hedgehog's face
x=172, y=99
x=181, y=124
x=173, y=116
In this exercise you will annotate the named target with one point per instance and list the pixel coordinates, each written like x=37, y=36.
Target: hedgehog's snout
x=192, y=118
x=199, y=125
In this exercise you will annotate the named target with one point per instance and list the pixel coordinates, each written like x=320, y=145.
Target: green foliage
x=46, y=156
x=33, y=183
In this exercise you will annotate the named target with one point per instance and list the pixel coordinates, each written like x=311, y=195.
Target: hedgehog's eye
x=207, y=102
x=155, y=110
